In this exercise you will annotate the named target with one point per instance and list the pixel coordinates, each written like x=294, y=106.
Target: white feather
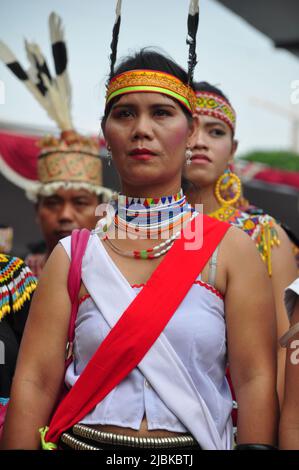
x=57, y=99
x=58, y=108
x=62, y=81
x=118, y=10
x=194, y=7
x=32, y=71
x=6, y=54
x=55, y=27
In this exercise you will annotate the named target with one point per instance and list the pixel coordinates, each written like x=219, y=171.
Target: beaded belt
x=85, y=438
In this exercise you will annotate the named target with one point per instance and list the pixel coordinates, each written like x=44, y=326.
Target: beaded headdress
x=152, y=81
x=212, y=104
x=155, y=81
x=70, y=160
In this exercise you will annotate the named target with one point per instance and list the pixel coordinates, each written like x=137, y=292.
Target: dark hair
x=206, y=86
x=150, y=59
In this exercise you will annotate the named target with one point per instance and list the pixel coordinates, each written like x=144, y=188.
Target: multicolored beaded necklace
x=16, y=284
x=260, y=228
x=148, y=218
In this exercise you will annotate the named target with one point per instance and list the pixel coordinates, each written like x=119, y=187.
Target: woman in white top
x=148, y=126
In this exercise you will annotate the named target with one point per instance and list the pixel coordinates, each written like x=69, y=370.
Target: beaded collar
x=147, y=217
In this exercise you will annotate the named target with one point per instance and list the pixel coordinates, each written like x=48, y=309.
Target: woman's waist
x=143, y=431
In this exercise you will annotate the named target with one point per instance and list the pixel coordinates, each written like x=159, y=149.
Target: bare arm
x=251, y=333
x=289, y=423
x=284, y=272
x=40, y=366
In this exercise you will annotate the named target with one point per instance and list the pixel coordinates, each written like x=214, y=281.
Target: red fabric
x=20, y=153
x=275, y=176
x=138, y=328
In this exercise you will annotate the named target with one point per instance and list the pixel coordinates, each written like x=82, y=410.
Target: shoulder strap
x=79, y=242
x=213, y=268
x=139, y=326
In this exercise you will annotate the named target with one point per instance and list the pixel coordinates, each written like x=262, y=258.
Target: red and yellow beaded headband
x=211, y=104
x=152, y=81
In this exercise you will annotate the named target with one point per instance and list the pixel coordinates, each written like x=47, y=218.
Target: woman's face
x=148, y=134
x=213, y=151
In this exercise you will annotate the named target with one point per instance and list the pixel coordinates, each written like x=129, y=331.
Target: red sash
x=138, y=328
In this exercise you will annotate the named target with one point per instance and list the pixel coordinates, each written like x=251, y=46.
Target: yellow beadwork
x=211, y=104
x=233, y=179
x=261, y=229
x=17, y=283
x=127, y=82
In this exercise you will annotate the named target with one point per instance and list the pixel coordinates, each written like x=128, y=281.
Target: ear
x=193, y=130
x=235, y=144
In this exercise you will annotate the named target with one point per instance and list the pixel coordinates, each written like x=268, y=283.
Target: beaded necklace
x=147, y=218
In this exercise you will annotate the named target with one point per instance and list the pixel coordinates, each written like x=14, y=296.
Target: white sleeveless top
x=196, y=331
x=290, y=297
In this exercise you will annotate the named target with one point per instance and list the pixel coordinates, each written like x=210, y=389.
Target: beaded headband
x=211, y=104
x=153, y=81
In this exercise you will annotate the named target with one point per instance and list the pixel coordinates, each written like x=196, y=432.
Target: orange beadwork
x=260, y=228
x=17, y=283
x=151, y=81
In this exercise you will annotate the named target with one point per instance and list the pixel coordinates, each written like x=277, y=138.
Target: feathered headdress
x=72, y=160
x=192, y=25
x=193, y=20
x=155, y=81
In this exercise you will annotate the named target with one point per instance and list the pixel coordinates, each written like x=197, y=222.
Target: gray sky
x=231, y=54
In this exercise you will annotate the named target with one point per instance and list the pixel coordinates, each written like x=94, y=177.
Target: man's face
x=65, y=211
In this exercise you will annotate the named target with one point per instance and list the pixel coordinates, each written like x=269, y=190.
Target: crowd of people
x=166, y=320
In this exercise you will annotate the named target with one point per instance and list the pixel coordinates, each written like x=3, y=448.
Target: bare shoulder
x=51, y=292
x=283, y=236
x=58, y=262
x=283, y=258
x=55, y=271
x=238, y=243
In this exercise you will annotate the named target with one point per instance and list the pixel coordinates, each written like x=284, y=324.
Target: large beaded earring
x=228, y=188
x=188, y=155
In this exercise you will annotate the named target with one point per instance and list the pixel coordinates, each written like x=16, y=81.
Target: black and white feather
x=52, y=92
x=193, y=20
x=115, y=34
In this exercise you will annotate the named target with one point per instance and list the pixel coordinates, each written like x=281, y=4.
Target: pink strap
x=79, y=242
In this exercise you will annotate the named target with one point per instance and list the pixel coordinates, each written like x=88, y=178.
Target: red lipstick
x=142, y=154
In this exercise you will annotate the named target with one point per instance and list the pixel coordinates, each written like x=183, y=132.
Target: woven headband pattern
x=153, y=81
x=211, y=104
